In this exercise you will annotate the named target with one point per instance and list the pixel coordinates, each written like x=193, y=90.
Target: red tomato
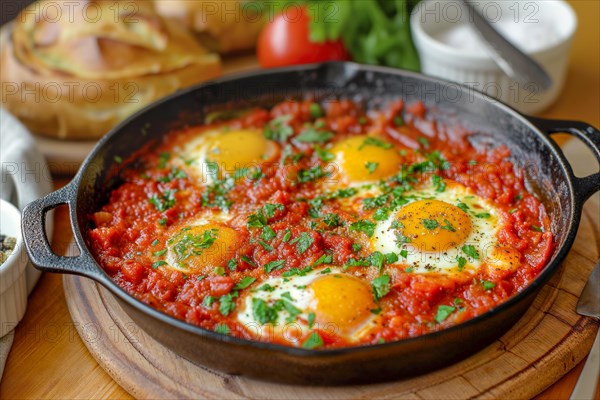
x=284, y=41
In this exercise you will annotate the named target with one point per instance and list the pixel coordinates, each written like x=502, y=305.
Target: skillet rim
x=101, y=277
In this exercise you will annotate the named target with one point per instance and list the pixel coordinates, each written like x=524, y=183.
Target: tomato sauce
x=132, y=230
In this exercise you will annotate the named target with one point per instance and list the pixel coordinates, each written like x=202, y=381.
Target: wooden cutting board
x=544, y=345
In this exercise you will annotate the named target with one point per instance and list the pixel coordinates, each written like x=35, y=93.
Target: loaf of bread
x=225, y=26
x=73, y=69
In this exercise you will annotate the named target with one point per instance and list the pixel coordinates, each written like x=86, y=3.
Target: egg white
x=483, y=234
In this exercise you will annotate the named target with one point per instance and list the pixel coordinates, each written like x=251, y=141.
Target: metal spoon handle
x=510, y=59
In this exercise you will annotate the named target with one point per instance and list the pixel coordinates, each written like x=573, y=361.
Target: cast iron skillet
x=547, y=172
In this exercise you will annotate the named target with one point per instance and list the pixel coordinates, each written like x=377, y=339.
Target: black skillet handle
x=33, y=224
x=585, y=187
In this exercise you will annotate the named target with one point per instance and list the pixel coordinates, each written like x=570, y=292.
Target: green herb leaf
x=222, y=329
x=536, y=228
x=470, y=251
x=380, y=286
x=372, y=141
x=314, y=341
x=274, y=265
x=448, y=226
x=461, y=262
x=208, y=301
x=443, y=312
x=430, y=224
x=311, y=135
x=304, y=241
x=227, y=303
x=262, y=312
x=487, y=285
x=244, y=283
x=371, y=166
x=278, y=129
x=365, y=226
x=158, y=264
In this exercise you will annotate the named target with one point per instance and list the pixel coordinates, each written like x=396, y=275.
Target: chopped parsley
x=470, y=251
x=424, y=142
x=208, y=301
x=222, y=329
x=227, y=303
x=248, y=260
x=404, y=253
x=312, y=174
x=371, y=166
x=372, y=141
x=278, y=129
x=430, y=224
x=315, y=110
x=311, y=319
x=324, y=259
x=487, y=285
x=232, y=264
x=332, y=220
x=244, y=283
x=267, y=233
x=311, y=135
x=303, y=242
x=443, y=312
x=484, y=215
x=461, y=262
x=448, y=226
x=163, y=202
x=398, y=120
x=323, y=154
x=536, y=228
x=262, y=312
x=190, y=244
x=313, y=341
x=365, y=226
x=158, y=264
x=287, y=236
x=463, y=206
x=438, y=183
x=380, y=286
x=274, y=265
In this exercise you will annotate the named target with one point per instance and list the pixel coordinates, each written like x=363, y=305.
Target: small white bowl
x=476, y=69
x=13, y=284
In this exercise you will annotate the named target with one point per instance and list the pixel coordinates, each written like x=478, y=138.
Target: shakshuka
x=322, y=225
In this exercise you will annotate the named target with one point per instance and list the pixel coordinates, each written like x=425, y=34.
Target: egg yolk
x=199, y=249
x=504, y=258
x=342, y=302
x=364, y=158
x=233, y=150
x=434, y=225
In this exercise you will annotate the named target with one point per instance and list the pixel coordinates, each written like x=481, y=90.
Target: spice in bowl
x=7, y=245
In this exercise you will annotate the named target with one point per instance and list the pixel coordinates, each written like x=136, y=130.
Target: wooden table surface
x=49, y=360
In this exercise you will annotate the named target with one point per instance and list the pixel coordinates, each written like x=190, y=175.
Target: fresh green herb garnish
x=371, y=166
x=430, y=224
x=222, y=329
x=274, y=265
x=208, y=301
x=244, y=283
x=278, y=129
x=311, y=135
x=487, y=285
x=537, y=228
x=227, y=303
x=314, y=341
x=380, y=286
x=303, y=242
x=158, y=264
x=443, y=312
x=461, y=262
x=312, y=174
x=470, y=251
x=372, y=141
x=365, y=226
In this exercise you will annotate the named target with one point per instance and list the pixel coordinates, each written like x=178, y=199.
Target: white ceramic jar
x=543, y=29
x=13, y=284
